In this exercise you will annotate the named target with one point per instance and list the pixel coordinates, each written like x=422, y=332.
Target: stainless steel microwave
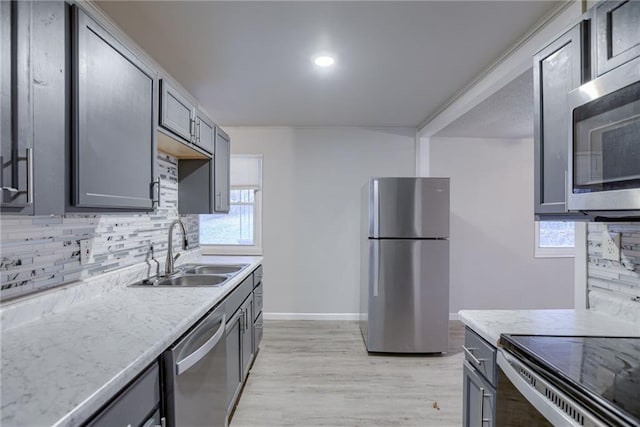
x=604, y=151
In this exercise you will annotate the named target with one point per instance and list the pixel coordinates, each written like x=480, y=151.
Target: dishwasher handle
x=183, y=365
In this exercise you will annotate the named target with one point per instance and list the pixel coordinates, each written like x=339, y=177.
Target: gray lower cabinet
x=557, y=69
x=222, y=160
x=239, y=337
x=616, y=34
x=33, y=125
x=138, y=405
x=479, y=382
x=479, y=406
x=114, y=132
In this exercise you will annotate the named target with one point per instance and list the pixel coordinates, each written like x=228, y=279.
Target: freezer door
x=409, y=208
x=408, y=296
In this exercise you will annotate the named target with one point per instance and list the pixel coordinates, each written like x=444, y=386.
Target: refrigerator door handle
x=376, y=210
x=375, y=266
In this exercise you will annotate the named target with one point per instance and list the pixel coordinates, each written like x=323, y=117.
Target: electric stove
x=600, y=373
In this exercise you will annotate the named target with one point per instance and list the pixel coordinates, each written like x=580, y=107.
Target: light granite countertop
x=489, y=324
x=59, y=369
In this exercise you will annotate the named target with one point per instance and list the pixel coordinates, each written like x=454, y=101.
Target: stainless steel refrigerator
x=404, y=265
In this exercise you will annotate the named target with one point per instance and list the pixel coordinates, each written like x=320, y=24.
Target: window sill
x=555, y=253
x=230, y=250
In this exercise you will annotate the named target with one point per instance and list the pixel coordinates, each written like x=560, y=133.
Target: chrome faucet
x=168, y=268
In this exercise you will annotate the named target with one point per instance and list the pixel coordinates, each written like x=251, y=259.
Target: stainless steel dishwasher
x=195, y=375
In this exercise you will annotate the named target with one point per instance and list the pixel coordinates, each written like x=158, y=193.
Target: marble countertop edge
x=79, y=405
x=489, y=324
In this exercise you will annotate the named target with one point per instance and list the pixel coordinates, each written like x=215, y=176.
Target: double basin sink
x=192, y=275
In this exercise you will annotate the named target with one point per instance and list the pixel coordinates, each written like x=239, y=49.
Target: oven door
x=554, y=405
x=604, y=166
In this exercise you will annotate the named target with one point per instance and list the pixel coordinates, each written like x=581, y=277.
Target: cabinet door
x=16, y=156
x=222, y=160
x=134, y=404
x=204, y=135
x=556, y=70
x=617, y=33
x=234, y=357
x=247, y=335
x=478, y=399
x=114, y=132
x=176, y=112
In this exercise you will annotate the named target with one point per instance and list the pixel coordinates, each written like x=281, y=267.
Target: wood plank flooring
x=317, y=373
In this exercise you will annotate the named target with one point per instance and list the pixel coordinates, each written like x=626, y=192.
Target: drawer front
x=237, y=297
x=134, y=404
x=257, y=276
x=257, y=301
x=481, y=355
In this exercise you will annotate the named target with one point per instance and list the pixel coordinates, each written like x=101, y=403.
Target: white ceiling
x=249, y=63
x=508, y=113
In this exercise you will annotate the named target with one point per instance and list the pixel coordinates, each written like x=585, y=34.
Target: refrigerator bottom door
x=408, y=296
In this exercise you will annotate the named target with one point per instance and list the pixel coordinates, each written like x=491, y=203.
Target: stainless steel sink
x=186, y=281
x=211, y=269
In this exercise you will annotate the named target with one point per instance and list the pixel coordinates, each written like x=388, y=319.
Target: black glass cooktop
x=599, y=371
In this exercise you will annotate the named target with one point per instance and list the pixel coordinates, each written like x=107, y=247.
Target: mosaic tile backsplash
x=40, y=252
x=621, y=278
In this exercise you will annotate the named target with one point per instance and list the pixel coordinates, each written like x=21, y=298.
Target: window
x=239, y=231
x=555, y=239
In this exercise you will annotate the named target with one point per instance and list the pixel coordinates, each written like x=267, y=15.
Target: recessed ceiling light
x=324, y=61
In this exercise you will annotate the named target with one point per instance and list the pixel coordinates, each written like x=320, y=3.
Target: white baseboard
x=311, y=316
x=323, y=316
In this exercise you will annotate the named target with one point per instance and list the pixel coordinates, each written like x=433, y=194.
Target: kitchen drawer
x=257, y=300
x=480, y=354
x=239, y=294
x=134, y=404
x=257, y=276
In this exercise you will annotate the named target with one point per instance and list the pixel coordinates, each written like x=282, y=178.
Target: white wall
x=492, y=229
x=312, y=179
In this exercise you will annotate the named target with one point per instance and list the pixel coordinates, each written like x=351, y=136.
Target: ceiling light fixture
x=324, y=61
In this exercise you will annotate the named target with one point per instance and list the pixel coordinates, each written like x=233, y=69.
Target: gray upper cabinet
x=176, y=112
x=33, y=106
x=204, y=132
x=557, y=69
x=617, y=34
x=222, y=159
x=114, y=128
x=16, y=156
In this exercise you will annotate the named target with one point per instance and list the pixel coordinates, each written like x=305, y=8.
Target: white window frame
x=256, y=248
x=550, y=251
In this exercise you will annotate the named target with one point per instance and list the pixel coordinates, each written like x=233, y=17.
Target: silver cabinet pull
x=242, y=322
x=469, y=352
x=29, y=175
x=153, y=184
x=482, y=397
x=198, y=126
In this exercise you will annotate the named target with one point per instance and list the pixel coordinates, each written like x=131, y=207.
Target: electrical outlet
x=611, y=245
x=86, y=252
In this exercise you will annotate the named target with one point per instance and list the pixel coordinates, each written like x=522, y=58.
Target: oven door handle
x=183, y=365
x=511, y=367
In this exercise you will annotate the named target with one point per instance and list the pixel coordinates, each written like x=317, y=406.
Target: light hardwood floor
x=317, y=373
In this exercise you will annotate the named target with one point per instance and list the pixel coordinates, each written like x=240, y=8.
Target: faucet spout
x=169, y=269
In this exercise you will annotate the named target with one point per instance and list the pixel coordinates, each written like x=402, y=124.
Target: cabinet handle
x=153, y=184
x=198, y=137
x=192, y=130
x=482, y=396
x=242, y=323
x=566, y=191
x=468, y=352
x=29, y=176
